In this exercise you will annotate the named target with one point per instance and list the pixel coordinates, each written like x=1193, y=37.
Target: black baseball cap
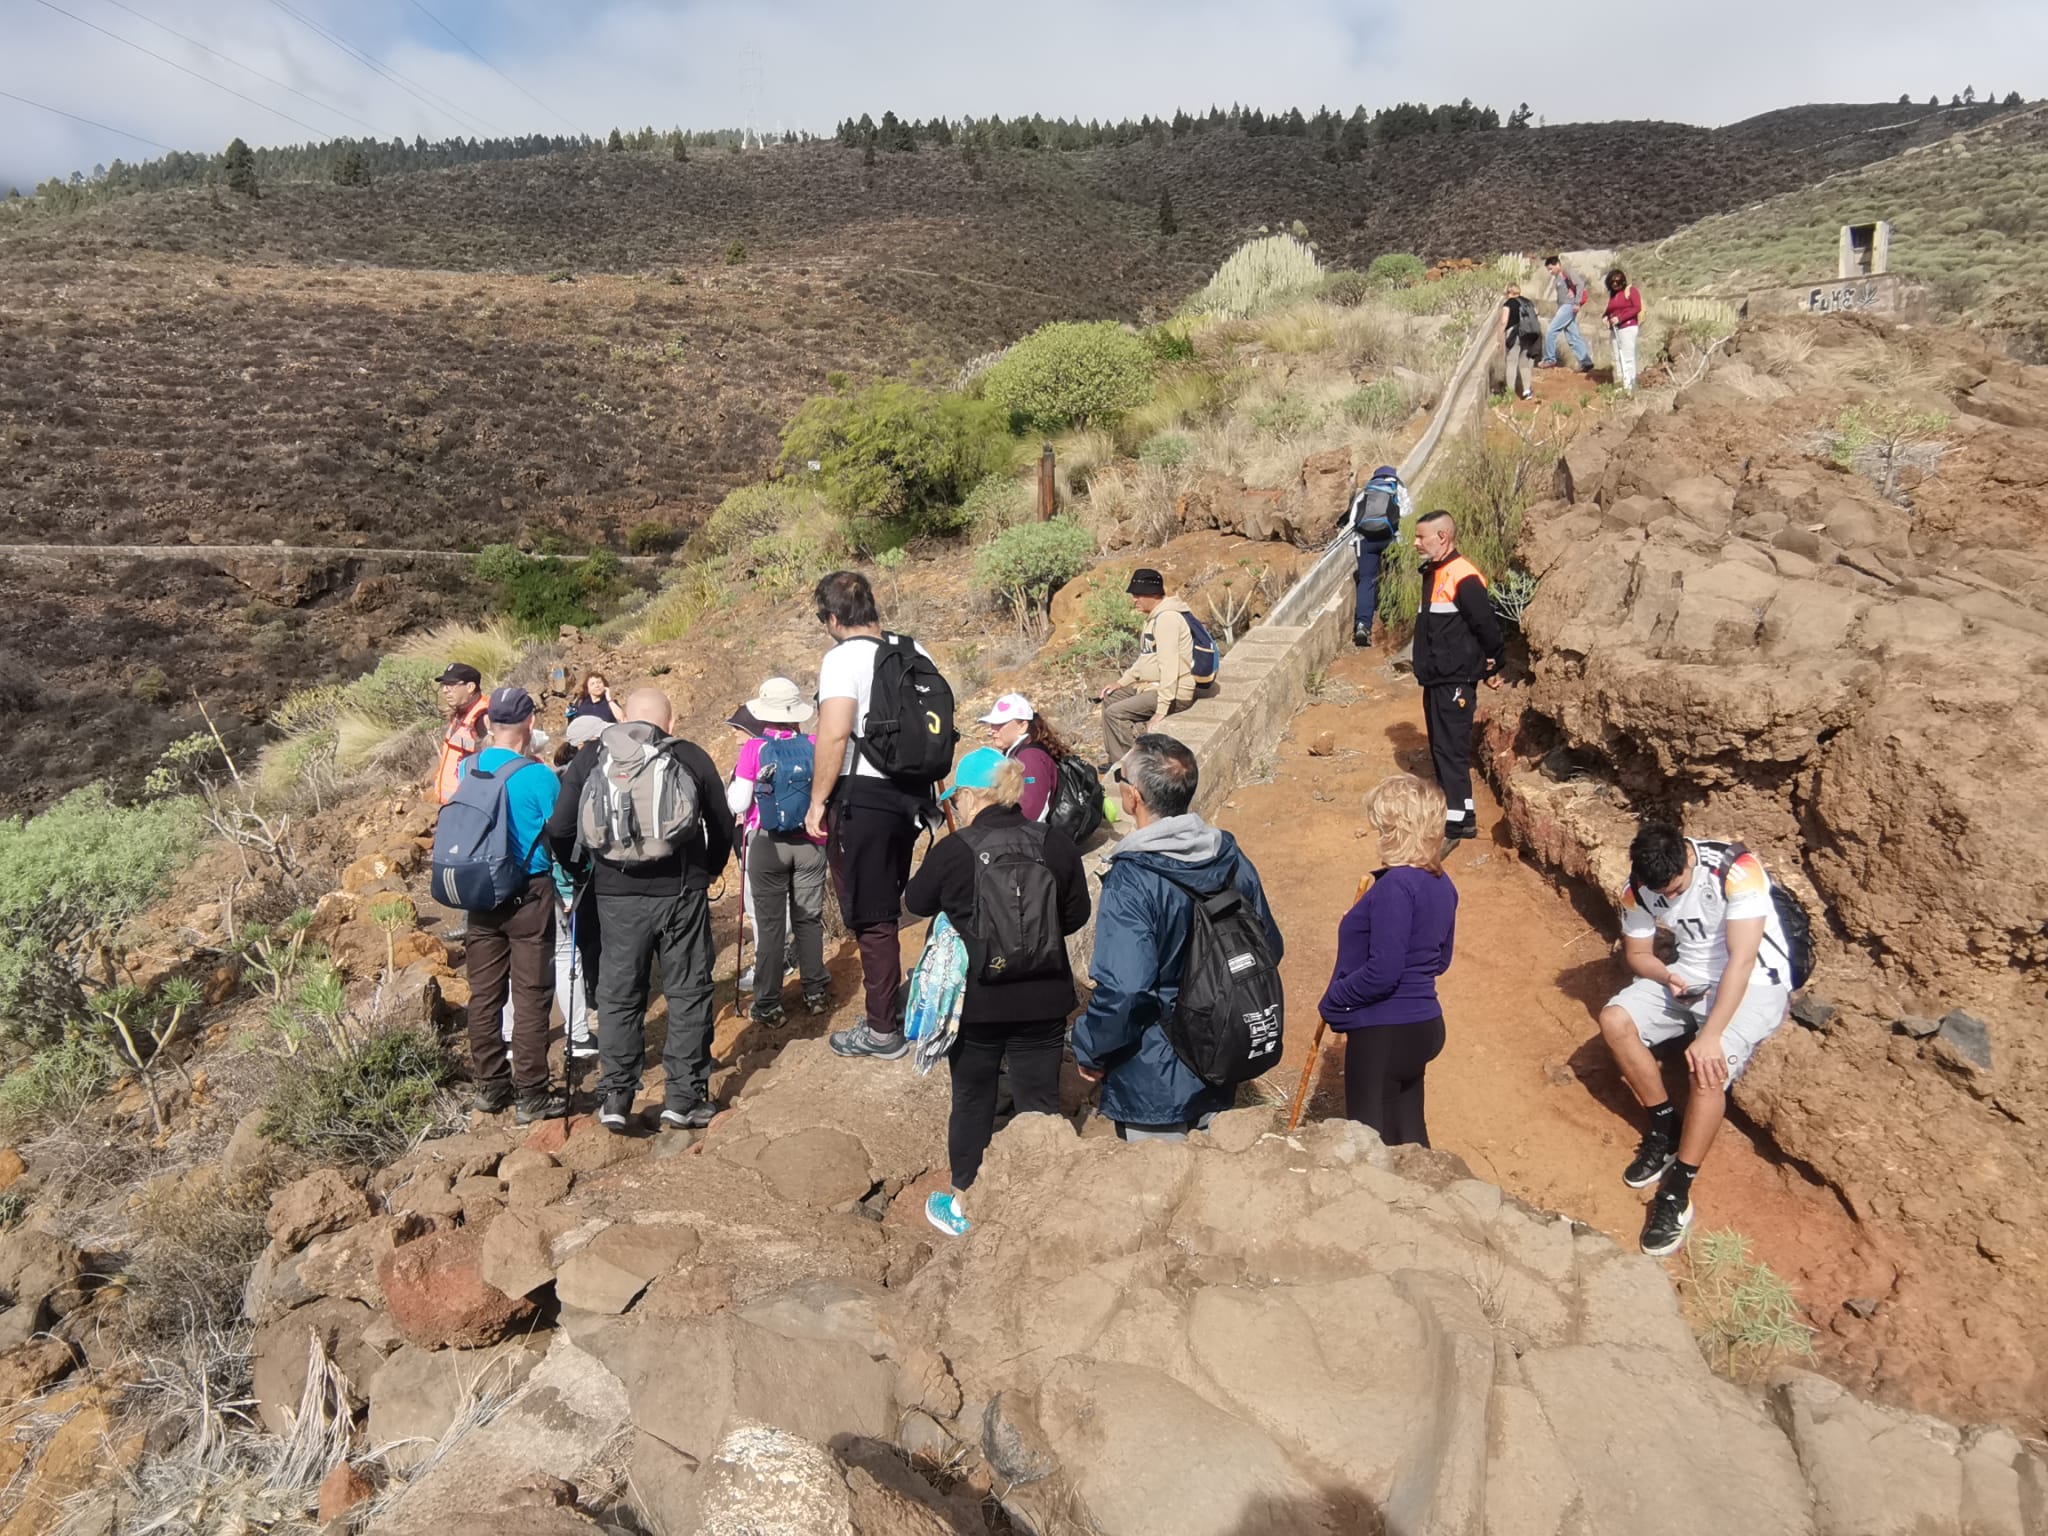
x=1146, y=582
x=509, y=706
x=461, y=672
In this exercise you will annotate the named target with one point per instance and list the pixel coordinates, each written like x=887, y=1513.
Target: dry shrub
x=492, y=647
x=194, y=1240
x=1779, y=352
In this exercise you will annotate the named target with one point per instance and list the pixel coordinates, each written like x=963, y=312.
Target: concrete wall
x=1890, y=294
x=1264, y=679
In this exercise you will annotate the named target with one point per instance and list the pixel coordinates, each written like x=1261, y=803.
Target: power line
x=117, y=37
x=122, y=133
x=412, y=88
x=487, y=64
x=324, y=106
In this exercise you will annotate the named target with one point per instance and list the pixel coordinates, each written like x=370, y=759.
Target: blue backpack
x=476, y=866
x=1204, y=668
x=782, y=783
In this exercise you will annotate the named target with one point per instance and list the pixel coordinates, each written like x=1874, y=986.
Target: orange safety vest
x=1443, y=591
x=461, y=740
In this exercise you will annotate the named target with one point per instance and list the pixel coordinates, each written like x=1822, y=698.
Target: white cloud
x=634, y=61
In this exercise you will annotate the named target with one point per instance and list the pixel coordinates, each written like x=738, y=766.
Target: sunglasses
x=1116, y=774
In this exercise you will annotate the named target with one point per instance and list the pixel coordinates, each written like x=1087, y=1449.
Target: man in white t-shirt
x=869, y=823
x=1731, y=983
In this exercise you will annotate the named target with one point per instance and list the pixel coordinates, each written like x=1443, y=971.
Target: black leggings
x=1383, y=1067
x=1034, y=1051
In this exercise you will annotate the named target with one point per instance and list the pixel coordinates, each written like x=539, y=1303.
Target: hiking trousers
x=1032, y=1051
x=1383, y=1068
x=870, y=835
x=1127, y=715
x=512, y=945
x=786, y=873
x=1521, y=370
x=673, y=932
x=1447, y=710
x=1370, y=558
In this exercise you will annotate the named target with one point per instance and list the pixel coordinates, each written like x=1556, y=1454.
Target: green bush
x=1169, y=450
x=540, y=594
x=1396, y=269
x=1071, y=374
x=1257, y=275
x=1379, y=405
x=899, y=453
x=364, y=1108
x=55, y=1084
x=1023, y=566
x=68, y=877
x=998, y=502
x=1288, y=416
x=791, y=559
x=1171, y=344
x=1347, y=287
x=1486, y=487
x=1110, y=626
x=751, y=511
x=650, y=538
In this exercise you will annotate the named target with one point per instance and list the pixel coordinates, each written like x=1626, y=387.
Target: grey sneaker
x=817, y=1000
x=767, y=1014
x=688, y=1117
x=862, y=1040
x=615, y=1114
x=494, y=1098
x=540, y=1104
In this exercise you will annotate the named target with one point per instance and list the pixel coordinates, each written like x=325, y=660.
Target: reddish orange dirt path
x=1524, y=1091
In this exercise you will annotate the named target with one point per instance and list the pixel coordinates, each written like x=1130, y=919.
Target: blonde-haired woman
x=1391, y=947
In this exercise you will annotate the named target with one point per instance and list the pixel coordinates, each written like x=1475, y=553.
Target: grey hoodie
x=1188, y=839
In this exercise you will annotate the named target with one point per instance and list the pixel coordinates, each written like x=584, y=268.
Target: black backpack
x=1792, y=915
x=1528, y=324
x=1016, y=905
x=1076, y=807
x=910, y=733
x=1226, y=1024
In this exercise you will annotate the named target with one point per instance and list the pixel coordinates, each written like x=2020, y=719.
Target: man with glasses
x=1141, y=939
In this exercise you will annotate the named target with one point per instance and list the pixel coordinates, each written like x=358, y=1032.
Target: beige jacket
x=1166, y=655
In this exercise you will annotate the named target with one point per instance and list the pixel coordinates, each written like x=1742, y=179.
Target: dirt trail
x=1525, y=1091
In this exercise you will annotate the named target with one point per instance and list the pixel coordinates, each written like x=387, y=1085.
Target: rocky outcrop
x=1733, y=627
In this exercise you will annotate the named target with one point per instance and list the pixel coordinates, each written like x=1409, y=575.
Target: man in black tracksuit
x=1458, y=644
x=653, y=910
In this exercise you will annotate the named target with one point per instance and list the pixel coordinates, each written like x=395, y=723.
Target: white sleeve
x=739, y=794
x=1635, y=922
x=838, y=675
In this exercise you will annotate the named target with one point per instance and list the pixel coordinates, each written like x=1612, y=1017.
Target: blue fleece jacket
x=1141, y=940
x=1391, y=947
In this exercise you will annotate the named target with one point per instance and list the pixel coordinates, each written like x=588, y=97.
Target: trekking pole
x=1308, y=1069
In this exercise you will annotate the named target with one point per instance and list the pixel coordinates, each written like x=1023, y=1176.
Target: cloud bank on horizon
x=805, y=64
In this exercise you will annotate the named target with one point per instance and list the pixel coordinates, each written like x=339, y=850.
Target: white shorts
x=1659, y=1017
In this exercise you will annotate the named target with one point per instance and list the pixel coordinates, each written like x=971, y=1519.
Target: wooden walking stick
x=1308, y=1069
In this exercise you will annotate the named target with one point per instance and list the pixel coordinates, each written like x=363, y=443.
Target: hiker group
x=576, y=887
x=1529, y=344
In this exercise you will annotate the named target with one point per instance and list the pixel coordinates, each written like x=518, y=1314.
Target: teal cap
x=977, y=770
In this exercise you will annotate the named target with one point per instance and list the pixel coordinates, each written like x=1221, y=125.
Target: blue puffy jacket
x=1141, y=936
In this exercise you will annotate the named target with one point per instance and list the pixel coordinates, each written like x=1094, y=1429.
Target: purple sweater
x=1391, y=947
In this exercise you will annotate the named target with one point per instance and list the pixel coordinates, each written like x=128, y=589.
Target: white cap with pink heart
x=1011, y=706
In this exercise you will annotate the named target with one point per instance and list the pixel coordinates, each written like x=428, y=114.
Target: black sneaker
x=1361, y=635
x=688, y=1117
x=864, y=1040
x=1657, y=1153
x=540, y=1104
x=1670, y=1218
x=818, y=1001
x=768, y=1015
x=1466, y=829
x=616, y=1113
x=494, y=1098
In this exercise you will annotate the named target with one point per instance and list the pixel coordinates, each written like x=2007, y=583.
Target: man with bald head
x=1458, y=643
x=649, y=810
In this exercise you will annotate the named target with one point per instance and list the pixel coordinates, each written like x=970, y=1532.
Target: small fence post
x=1045, y=495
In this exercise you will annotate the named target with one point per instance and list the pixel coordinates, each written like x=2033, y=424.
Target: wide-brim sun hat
x=780, y=702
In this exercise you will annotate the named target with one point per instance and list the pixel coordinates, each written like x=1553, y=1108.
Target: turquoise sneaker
x=942, y=1210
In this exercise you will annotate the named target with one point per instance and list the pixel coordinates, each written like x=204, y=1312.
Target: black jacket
x=945, y=883
x=1458, y=637
x=694, y=868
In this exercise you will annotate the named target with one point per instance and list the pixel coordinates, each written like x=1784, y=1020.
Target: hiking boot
x=615, y=1114
x=1467, y=828
x=692, y=1116
x=769, y=1015
x=942, y=1210
x=1361, y=635
x=1670, y=1218
x=494, y=1098
x=817, y=1000
x=1655, y=1154
x=540, y=1104
x=864, y=1040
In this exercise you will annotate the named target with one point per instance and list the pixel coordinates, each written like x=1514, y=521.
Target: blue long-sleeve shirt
x=529, y=800
x=1391, y=947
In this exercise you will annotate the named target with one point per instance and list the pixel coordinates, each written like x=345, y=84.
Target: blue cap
x=1386, y=472
x=977, y=770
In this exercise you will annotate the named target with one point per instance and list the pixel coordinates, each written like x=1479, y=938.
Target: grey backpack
x=639, y=804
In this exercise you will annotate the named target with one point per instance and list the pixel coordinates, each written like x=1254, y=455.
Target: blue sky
x=593, y=63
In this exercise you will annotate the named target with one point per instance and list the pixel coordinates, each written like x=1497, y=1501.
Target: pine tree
x=2012, y=99
x=1168, y=224
x=615, y=143
x=678, y=149
x=1519, y=118
x=350, y=169
x=240, y=168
